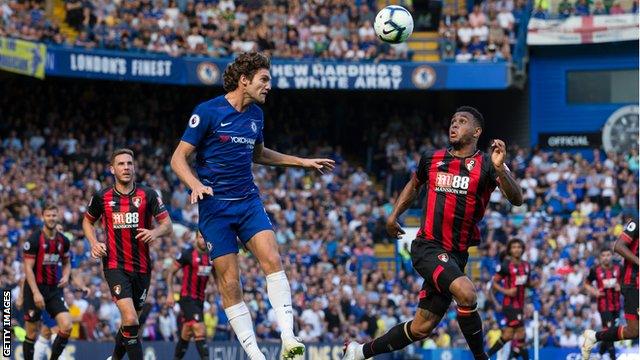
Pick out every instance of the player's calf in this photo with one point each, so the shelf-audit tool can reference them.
(464, 293)
(63, 320)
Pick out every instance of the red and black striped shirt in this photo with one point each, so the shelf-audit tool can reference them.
(514, 276)
(48, 255)
(458, 191)
(196, 271)
(606, 280)
(122, 215)
(630, 238)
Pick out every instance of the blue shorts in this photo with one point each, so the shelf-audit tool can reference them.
(221, 222)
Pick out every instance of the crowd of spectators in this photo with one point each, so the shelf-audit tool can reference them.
(55, 140)
(566, 8)
(296, 29)
(487, 33)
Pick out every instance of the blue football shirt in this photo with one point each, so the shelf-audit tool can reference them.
(224, 139)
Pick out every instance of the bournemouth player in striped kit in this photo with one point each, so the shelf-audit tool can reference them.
(127, 211)
(44, 251)
(606, 276)
(196, 271)
(512, 277)
(459, 181)
(627, 247)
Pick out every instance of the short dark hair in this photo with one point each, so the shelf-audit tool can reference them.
(473, 111)
(49, 206)
(246, 64)
(120, 152)
(605, 248)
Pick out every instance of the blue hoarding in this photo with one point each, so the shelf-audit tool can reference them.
(287, 74)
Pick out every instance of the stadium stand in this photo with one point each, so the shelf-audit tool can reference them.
(53, 146)
(294, 29)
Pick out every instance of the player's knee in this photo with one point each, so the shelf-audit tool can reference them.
(65, 326)
(631, 330)
(32, 332)
(271, 263)
(230, 287)
(130, 319)
(464, 292)
(467, 297)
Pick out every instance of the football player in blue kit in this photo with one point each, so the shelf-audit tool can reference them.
(226, 135)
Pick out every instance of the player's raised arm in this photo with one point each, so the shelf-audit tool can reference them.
(266, 156)
(180, 165)
(506, 181)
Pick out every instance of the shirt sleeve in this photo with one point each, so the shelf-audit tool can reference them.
(197, 127)
(592, 276)
(183, 258)
(156, 206)
(630, 232)
(95, 208)
(502, 270)
(30, 246)
(422, 172)
(66, 247)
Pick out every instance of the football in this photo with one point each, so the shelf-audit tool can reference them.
(393, 24)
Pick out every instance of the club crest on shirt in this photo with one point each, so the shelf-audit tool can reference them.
(26, 246)
(469, 163)
(443, 257)
(136, 201)
(631, 226)
(117, 289)
(254, 127)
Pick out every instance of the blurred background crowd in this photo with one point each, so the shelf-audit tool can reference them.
(54, 147)
(337, 29)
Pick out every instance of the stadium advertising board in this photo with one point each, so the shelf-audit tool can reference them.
(287, 74)
(583, 30)
(570, 140)
(22, 57)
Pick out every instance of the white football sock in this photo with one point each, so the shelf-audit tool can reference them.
(242, 325)
(40, 348)
(279, 293)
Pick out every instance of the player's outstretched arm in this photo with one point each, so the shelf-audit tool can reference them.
(507, 182)
(180, 166)
(266, 156)
(405, 199)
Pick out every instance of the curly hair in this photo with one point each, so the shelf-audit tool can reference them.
(246, 64)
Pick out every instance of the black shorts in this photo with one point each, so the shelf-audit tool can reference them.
(513, 316)
(609, 318)
(630, 294)
(53, 301)
(128, 285)
(192, 310)
(439, 269)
